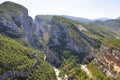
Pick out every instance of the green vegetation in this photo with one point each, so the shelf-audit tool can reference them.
(86, 37)
(112, 43)
(43, 72)
(44, 17)
(98, 75)
(69, 61)
(111, 24)
(10, 8)
(71, 27)
(23, 41)
(59, 24)
(97, 32)
(94, 31)
(64, 20)
(14, 56)
(71, 67)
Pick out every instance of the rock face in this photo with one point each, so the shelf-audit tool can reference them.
(55, 35)
(16, 23)
(66, 36)
(42, 28)
(112, 56)
(12, 18)
(109, 61)
(45, 32)
(52, 33)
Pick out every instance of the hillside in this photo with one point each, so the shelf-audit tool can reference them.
(53, 47)
(73, 42)
(20, 62)
(102, 19)
(113, 24)
(17, 59)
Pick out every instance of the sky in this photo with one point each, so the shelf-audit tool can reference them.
(90, 9)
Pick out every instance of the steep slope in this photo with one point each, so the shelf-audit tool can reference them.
(43, 25)
(16, 23)
(97, 32)
(18, 59)
(64, 34)
(9, 20)
(20, 62)
(108, 58)
(113, 24)
(72, 42)
(67, 44)
(78, 37)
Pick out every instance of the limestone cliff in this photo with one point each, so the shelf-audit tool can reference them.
(16, 23)
(108, 61)
(67, 35)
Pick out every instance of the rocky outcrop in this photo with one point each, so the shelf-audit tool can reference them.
(42, 28)
(44, 31)
(108, 61)
(61, 38)
(23, 72)
(52, 58)
(16, 23)
(12, 18)
(112, 56)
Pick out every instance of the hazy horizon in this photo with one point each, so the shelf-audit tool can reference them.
(90, 9)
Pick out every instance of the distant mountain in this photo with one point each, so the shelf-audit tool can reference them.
(84, 20)
(118, 18)
(102, 19)
(113, 24)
